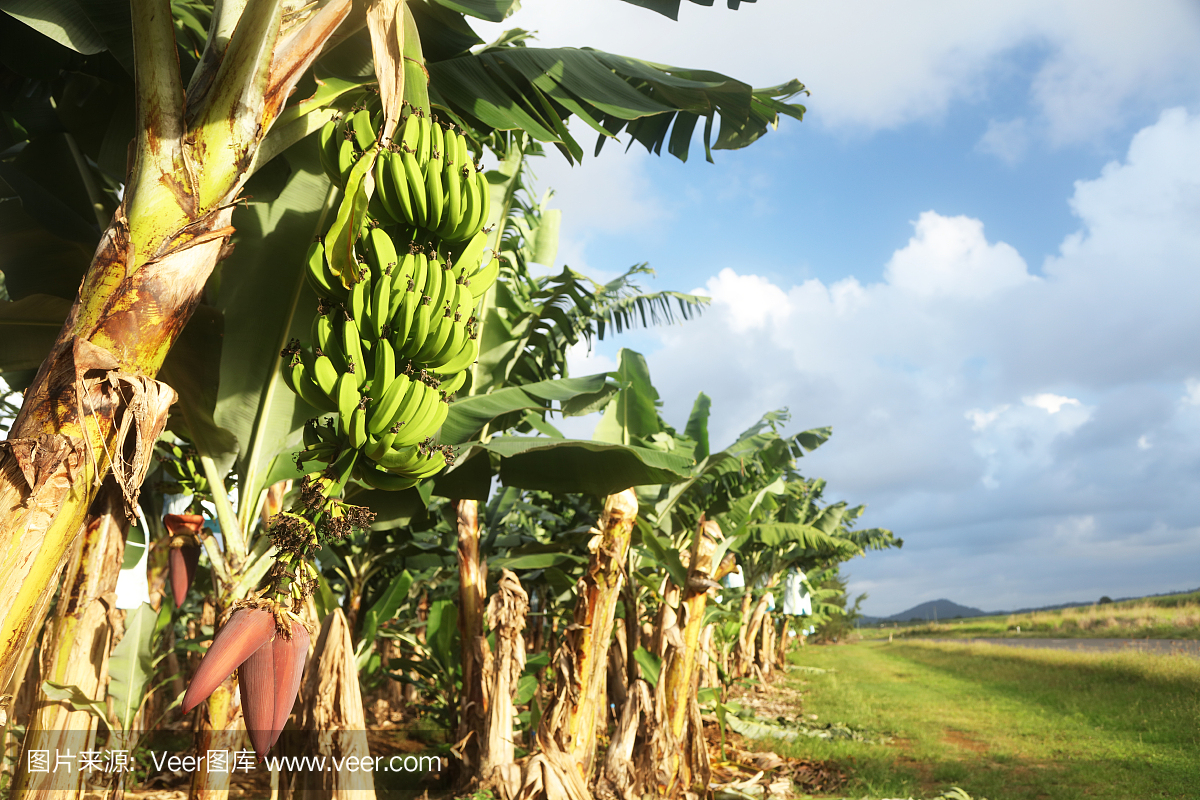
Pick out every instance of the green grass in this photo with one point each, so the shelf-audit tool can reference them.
(1168, 617)
(1006, 724)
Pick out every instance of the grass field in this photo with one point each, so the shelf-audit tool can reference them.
(1004, 723)
(1168, 617)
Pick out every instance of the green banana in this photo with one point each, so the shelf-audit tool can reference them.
(348, 399)
(463, 359)
(322, 281)
(322, 329)
(424, 140)
(420, 329)
(355, 363)
(385, 190)
(452, 185)
(385, 481)
(453, 384)
(483, 279)
(358, 427)
(435, 194)
(470, 257)
(298, 377)
(398, 187)
(377, 446)
(417, 427)
(454, 343)
(325, 376)
(384, 372)
(363, 129)
(360, 294)
(416, 187)
(384, 412)
(473, 205)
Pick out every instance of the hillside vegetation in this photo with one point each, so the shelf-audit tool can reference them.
(1175, 616)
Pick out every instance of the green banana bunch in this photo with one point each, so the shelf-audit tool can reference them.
(389, 349)
(427, 179)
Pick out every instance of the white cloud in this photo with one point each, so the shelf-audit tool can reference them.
(971, 400)
(950, 258)
(1192, 394)
(1008, 141)
(1052, 403)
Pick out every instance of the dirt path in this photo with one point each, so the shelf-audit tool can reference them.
(1189, 647)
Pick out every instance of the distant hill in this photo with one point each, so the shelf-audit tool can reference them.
(932, 610)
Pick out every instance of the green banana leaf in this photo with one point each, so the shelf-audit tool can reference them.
(85, 26)
(574, 465)
(778, 534)
(192, 369)
(380, 612)
(633, 413)
(534, 89)
(132, 665)
(253, 403)
(697, 425)
(670, 8)
(490, 10)
(469, 415)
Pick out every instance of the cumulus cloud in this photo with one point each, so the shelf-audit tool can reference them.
(972, 400)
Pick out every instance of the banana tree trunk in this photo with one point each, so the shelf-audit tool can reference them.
(506, 617)
(567, 731)
(94, 405)
(75, 653)
(766, 645)
(570, 723)
(681, 755)
(472, 590)
(781, 647)
(747, 642)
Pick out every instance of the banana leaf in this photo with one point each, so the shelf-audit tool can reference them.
(575, 465)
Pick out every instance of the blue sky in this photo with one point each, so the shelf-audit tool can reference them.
(977, 258)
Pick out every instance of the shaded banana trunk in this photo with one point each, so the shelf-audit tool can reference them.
(75, 653)
(331, 721)
(618, 673)
(93, 407)
(678, 749)
(708, 657)
(746, 612)
(765, 654)
(472, 590)
(781, 647)
(618, 779)
(506, 618)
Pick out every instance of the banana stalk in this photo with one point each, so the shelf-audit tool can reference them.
(92, 407)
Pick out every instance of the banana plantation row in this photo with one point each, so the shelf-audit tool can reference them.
(303, 345)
